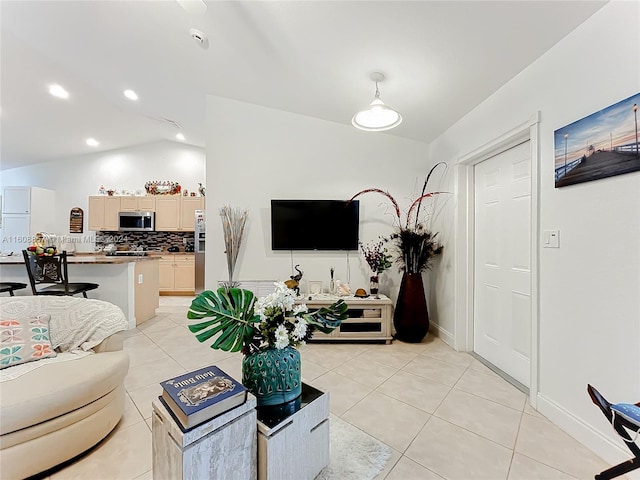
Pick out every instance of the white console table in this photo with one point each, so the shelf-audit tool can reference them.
(369, 318)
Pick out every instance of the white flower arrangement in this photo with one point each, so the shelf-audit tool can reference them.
(240, 322)
(282, 323)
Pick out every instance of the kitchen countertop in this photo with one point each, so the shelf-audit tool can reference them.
(90, 258)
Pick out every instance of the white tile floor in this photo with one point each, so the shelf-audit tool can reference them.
(444, 414)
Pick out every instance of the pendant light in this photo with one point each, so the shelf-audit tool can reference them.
(378, 116)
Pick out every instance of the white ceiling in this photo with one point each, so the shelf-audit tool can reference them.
(314, 58)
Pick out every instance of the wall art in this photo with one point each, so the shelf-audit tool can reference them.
(601, 145)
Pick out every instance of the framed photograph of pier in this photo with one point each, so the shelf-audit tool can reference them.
(602, 145)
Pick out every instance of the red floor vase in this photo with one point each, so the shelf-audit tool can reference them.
(411, 318)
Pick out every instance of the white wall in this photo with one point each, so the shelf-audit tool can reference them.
(255, 154)
(589, 325)
(76, 178)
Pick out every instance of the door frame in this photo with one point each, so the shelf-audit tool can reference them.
(465, 238)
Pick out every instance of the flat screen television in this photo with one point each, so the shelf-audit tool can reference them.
(314, 224)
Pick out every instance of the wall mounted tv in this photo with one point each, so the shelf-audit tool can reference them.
(314, 224)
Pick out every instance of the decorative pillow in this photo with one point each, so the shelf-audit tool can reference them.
(628, 411)
(25, 340)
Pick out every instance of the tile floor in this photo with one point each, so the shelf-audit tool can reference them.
(443, 413)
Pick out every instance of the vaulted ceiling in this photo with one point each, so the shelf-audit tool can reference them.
(441, 59)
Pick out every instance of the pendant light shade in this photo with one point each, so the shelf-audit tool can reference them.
(378, 116)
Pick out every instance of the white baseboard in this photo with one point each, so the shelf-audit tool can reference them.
(608, 448)
(445, 336)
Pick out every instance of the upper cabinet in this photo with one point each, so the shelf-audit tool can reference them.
(176, 213)
(188, 208)
(138, 204)
(103, 213)
(168, 213)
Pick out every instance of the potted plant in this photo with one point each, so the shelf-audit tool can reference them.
(267, 331)
(378, 258)
(415, 246)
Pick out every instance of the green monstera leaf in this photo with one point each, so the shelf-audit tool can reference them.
(230, 317)
(327, 319)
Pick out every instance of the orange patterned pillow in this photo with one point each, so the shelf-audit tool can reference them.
(25, 340)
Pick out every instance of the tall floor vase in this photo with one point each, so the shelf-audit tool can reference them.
(411, 318)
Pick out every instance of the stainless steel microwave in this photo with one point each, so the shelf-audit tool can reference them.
(136, 221)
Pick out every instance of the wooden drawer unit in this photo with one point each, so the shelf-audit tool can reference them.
(369, 318)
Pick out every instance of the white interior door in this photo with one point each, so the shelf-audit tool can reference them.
(502, 261)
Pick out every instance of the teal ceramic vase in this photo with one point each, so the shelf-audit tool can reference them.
(273, 375)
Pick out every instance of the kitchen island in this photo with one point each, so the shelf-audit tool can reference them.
(128, 282)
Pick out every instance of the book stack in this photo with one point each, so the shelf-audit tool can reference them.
(198, 396)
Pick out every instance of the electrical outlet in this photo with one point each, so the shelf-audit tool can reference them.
(140, 279)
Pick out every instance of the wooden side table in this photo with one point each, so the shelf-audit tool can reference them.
(223, 448)
(297, 447)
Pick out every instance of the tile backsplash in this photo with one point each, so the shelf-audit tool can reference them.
(150, 240)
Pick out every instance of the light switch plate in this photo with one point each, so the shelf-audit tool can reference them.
(551, 239)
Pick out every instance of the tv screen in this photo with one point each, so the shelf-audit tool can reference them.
(314, 224)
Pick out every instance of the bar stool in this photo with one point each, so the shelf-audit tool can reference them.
(11, 287)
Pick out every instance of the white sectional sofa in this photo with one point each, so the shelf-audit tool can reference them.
(53, 409)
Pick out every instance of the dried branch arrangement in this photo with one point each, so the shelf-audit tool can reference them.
(233, 223)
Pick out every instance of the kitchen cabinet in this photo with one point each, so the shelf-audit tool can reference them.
(177, 274)
(173, 212)
(26, 211)
(138, 204)
(168, 213)
(176, 213)
(188, 208)
(103, 213)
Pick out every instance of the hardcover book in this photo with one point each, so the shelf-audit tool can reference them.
(198, 396)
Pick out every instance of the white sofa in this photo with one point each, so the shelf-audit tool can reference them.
(51, 410)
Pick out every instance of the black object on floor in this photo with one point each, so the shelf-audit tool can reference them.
(620, 425)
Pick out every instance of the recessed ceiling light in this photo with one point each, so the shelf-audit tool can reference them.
(58, 91)
(131, 95)
(199, 37)
(92, 142)
(180, 136)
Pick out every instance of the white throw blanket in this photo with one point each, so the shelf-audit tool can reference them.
(16, 371)
(76, 323)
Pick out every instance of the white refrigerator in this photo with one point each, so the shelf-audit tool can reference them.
(25, 212)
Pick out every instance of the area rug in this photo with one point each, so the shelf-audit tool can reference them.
(355, 455)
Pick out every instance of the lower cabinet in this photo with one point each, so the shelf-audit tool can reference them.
(177, 274)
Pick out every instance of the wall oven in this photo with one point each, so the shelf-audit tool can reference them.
(136, 221)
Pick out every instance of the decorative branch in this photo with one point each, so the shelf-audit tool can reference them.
(233, 222)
